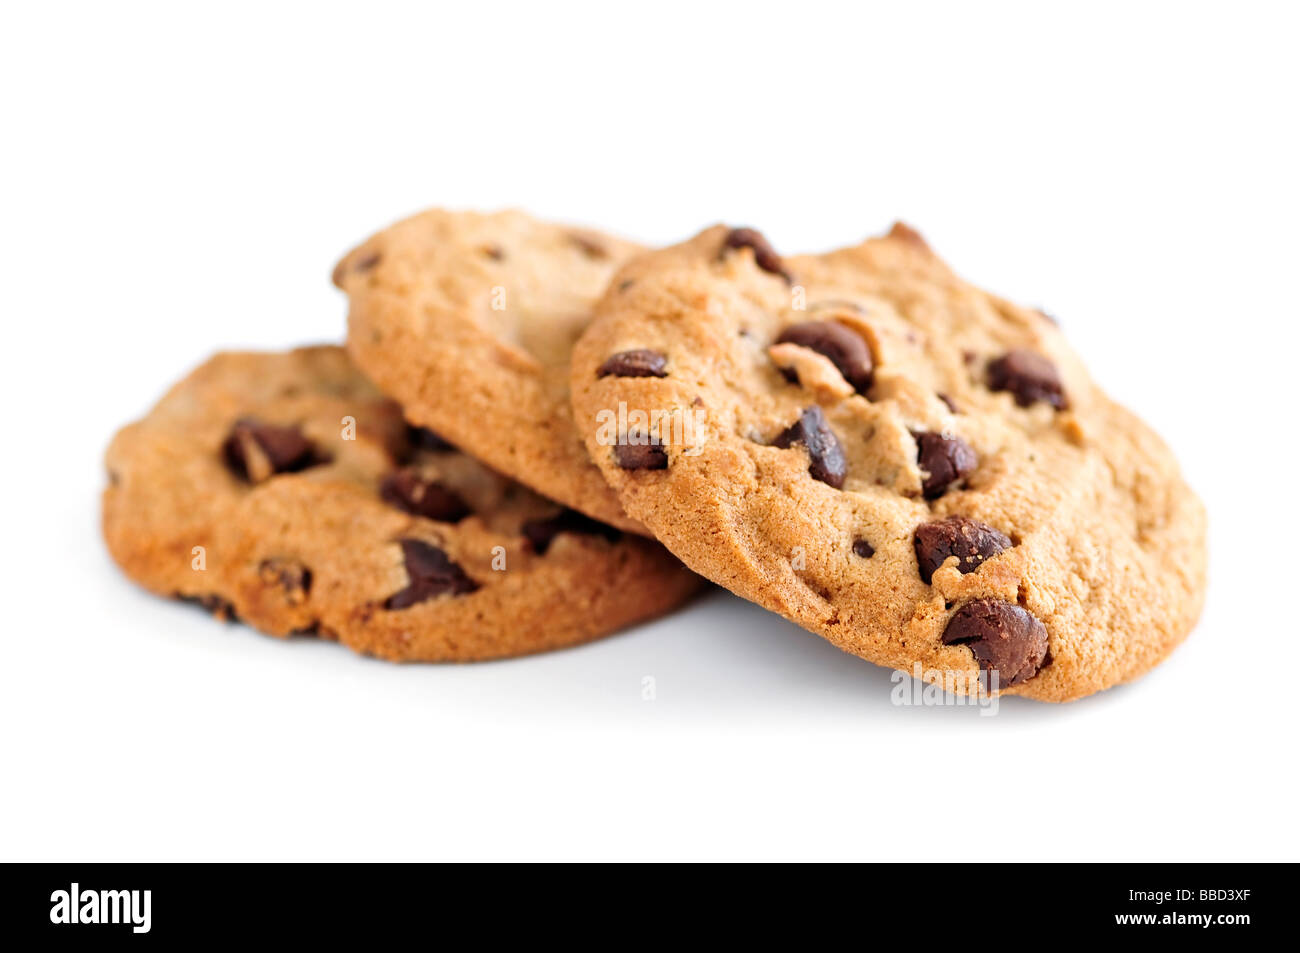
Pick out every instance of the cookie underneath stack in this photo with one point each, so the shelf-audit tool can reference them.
(285, 491)
(918, 471)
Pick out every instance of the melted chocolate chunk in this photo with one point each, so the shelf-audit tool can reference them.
(825, 456)
(431, 574)
(641, 362)
(764, 255)
(841, 346)
(408, 491)
(641, 456)
(944, 460)
(1004, 638)
(540, 533)
(969, 540)
(1029, 377)
(255, 451)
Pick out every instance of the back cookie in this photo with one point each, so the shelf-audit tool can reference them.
(468, 320)
(286, 491)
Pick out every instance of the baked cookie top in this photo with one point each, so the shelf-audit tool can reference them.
(285, 490)
(468, 320)
(919, 471)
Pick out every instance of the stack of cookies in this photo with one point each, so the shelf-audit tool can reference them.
(533, 427)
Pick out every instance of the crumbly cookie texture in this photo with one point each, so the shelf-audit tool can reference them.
(285, 491)
(916, 470)
(468, 320)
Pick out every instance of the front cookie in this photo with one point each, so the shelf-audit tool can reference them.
(468, 320)
(284, 490)
(918, 471)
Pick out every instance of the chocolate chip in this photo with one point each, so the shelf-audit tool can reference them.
(591, 246)
(219, 607)
(864, 549)
(422, 438)
(431, 574)
(495, 252)
(639, 362)
(256, 451)
(625, 284)
(764, 255)
(944, 460)
(408, 491)
(1029, 376)
(826, 458)
(948, 402)
(969, 540)
(842, 347)
(541, 533)
(641, 456)
(290, 575)
(1004, 637)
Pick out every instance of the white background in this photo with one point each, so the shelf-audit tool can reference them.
(177, 181)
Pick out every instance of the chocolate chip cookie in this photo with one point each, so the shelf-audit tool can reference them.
(284, 490)
(919, 471)
(468, 320)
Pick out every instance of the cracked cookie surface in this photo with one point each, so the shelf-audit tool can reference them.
(468, 319)
(284, 490)
(919, 471)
